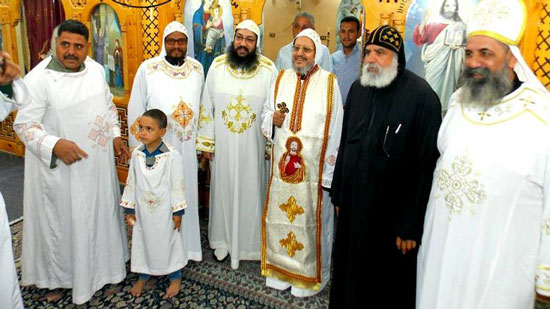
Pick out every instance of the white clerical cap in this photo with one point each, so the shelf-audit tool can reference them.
(310, 33)
(248, 24)
(504, 21)
(172, 27)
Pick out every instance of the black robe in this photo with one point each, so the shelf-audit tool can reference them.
(381, 184)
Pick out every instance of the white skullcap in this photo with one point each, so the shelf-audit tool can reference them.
(311, 34)
(504, 21)
(248, 24)
(172, 27)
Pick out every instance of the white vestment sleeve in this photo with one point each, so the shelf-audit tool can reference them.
(137, 104)
(113, 113)
(28, 123)
(205, 138)
(128, 199)
(21, 97)
(543, 259)
(335, 131)
(6, 105)
(267, 112)
(279, 61)
(177, 190)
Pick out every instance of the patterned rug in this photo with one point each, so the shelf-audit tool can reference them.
(206, 284)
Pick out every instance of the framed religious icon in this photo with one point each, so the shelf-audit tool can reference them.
(106, 37)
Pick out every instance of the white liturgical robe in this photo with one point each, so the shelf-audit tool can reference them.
(177, 92)
(230, 123)
(74, 235)
(487, 227)
(155, 193)
(10, 294)
(298, 222)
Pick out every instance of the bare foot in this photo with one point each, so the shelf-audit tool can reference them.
(173, 289)
(53, 296)
(112, 289)
(138, 287)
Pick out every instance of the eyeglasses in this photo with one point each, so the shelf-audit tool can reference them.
(248, 39)
(182, 41)
(306, 50)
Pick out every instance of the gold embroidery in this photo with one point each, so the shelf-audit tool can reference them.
(249, 73)
(459, 186)
(134, 129)
(205, 144)
(181, 72)
(182, 114)
(291, 208)
(238, 116)
(291, 244)
(204, 118)
(508, 108)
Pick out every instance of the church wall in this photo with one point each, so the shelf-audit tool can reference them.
(279, 15)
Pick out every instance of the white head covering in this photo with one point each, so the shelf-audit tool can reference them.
(52, 41)
(310, 33)
(172, 27)
(248, 24)
(504, 21)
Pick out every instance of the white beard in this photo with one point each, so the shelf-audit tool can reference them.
(380, 79)
(305, 69)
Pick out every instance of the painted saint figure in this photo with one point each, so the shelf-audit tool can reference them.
(201, 24)
(117, 55)
(215, 32)
(443, 52)
(99, 41)
(291, 165)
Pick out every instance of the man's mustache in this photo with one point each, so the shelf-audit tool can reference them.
(483, 72)
(244, 48)
(70, 57)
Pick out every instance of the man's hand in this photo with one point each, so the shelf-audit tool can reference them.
(8, 69)
(121, 151)
(68, 152)
(337, 209)
(278, 118)
(405, 245)
(130, 219)
(177, 222)
(208, 155)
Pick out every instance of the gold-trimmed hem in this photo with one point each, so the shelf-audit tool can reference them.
(537, 286)
(295, 280)
(205, 144)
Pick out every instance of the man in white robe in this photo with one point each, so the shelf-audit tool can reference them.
(172, 82)
(486, 241)
(302, 21)
(10, 294)
(230, 136)
(298, 219)
(73, 234)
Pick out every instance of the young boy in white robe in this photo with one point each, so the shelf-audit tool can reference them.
(154, 201)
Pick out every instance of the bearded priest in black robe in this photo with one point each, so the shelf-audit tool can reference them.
(382, 178)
